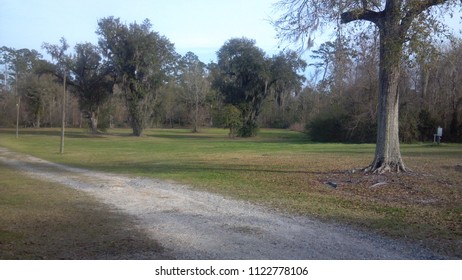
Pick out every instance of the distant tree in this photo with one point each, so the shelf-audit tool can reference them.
(243, 79)
(34, 96)
(142, 59)
(394, 19)
(334, 60)
(193, 80)
(286, 81)
(19, 62)
(24, 68)
(447, 89)
(92, 81)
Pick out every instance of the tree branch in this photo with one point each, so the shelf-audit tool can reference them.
(415, 8)
(361, 14)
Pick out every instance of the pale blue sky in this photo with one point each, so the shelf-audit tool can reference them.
(201, 26)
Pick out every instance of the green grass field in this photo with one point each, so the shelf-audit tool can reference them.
(282, 170)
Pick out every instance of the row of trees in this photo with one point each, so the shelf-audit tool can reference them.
(134, 77)
(340, 103)
(244, 90)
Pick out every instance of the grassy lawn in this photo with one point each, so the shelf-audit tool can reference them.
(46, 221)
(281, 169)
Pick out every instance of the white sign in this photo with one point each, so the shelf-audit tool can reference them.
(439, 132)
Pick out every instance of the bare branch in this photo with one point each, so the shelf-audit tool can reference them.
(415, 8)
(361, 14)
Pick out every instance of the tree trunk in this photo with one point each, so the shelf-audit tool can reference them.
(37, 120)
(136, 123)
(135, 105)
(387, 153)
(94, 122)
(196, 114)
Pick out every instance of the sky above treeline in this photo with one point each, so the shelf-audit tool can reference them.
(200, 26)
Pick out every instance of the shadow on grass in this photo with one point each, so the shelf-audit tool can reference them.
(43, 220)
(151, 169)
(52, 132)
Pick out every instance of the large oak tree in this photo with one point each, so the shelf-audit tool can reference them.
(244, 77)
(142, 59)
(93, 80)
(394, 19)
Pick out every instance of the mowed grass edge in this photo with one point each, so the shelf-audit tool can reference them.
(282, 170)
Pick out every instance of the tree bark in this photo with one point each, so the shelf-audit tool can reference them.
(63, 116)
(37, 121)
(135, 105)
(136, 120)
(94, 122)
(387, 154)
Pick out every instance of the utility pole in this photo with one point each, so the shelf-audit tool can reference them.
(17, 104)
(63, 112)
(57, 53)
(17, 116)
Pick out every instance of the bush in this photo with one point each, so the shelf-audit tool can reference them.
(329, 127)
(248, 129)
(232, 120)
(426, 125)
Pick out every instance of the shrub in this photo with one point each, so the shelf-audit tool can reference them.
(232, 120)
(328, 127)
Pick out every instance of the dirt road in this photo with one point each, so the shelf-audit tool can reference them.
(193, 224)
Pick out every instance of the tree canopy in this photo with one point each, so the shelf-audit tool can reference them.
(247, 76)
(92, 81)
(142, 60)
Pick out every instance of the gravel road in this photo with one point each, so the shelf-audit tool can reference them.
(193, 224)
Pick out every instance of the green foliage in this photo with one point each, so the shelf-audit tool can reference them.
(24, 70)
(284, 75)
(246, 77)
(92, 82)
(408, 129)
(248, 129)
(426, 125)
(243, 80)
(58, 53)
(142, 59)
(328, 127)
(232, 120)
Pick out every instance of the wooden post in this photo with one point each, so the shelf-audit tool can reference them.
(63, 111)
(17, 116)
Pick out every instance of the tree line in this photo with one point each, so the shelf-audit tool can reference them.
(134, 78)
(341, 105)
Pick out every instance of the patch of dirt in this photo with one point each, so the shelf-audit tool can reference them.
(192, 224)
(402, 188)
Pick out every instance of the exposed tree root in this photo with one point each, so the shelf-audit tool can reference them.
(379, 167)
